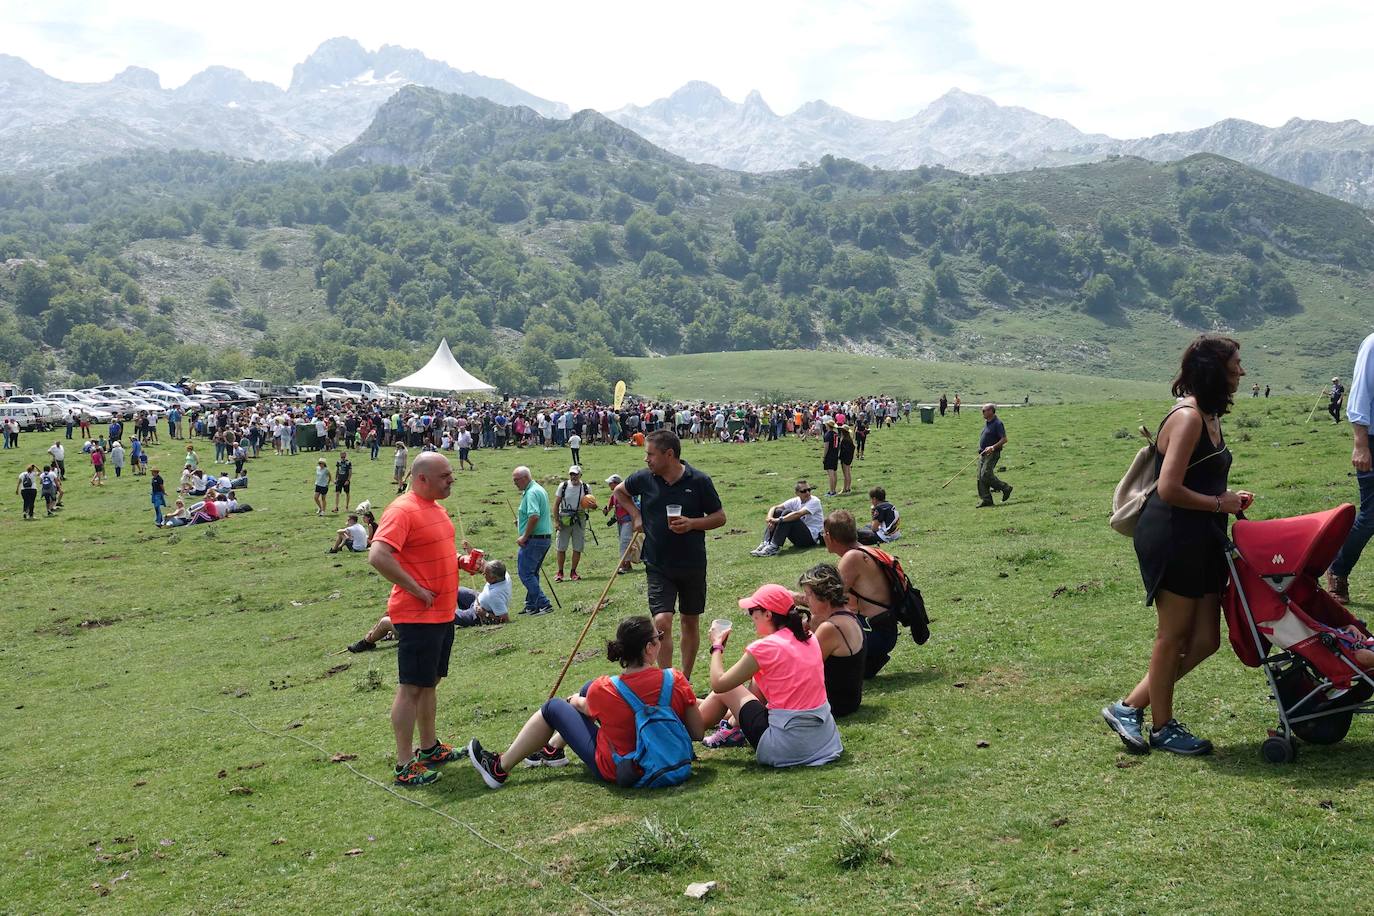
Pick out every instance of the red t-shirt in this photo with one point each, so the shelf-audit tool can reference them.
(421, 534)
(608, 707)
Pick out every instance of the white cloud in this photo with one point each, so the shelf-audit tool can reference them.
(1124, 69)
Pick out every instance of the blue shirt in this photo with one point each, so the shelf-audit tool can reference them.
(993, 431)
(1360, 405)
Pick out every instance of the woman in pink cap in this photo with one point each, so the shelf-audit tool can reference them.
(796, 727)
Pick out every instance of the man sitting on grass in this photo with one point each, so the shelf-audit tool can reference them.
(353, 537)
(886, 520)
(798, 519)
(490, 606)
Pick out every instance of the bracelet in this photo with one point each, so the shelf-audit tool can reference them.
(1218, 502)
(717, 647)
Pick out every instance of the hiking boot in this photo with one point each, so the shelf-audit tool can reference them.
(440, 753)
(1006, 494)
(414, 774)
(487, 765)
(726, 737)
(985, 504)
(1127, 722)
(547, 756)
(1175, 738)
(1338, 587)
(362, 645)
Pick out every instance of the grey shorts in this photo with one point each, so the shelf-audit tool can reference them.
(576, 532)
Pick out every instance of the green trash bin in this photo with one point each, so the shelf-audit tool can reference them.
(306, 440)
(927, 414)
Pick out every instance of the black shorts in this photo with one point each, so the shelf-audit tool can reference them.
(830, 462)
(422, 651)
(342, 486)
(880, 638)
(684, 587)
(753, 721)
(319, 491)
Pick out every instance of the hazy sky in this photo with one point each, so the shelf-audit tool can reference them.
(1122, 69)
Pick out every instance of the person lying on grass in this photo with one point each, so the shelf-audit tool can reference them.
(796, 728)
(597, 722)
(487, 607)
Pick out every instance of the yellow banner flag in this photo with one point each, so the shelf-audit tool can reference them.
(619, 393)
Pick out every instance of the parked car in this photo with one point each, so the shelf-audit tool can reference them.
(28, 416)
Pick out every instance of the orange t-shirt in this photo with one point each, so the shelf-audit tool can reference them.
(637, 438)
(617, 720)
(420, 532)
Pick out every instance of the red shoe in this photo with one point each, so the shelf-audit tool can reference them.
(575, 577)
(558, 577)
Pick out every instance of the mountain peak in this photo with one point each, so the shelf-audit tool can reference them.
(137, 78)
(756, 106)
(221, 85)
(334, 61)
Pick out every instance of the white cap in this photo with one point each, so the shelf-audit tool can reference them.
(575, 469)
(613, 480)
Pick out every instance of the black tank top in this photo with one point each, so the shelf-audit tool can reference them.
(844, 675)
(1209, 466)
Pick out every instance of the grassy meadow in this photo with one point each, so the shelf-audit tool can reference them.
(977, 777)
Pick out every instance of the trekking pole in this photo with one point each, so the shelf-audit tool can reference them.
(1316, 404)
(961, 470)
(591, 617)
(516, 519)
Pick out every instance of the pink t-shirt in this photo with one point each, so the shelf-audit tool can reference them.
(791, 673)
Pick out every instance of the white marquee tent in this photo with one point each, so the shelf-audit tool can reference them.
(442, 373)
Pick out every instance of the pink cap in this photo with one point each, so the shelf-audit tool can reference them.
(770, 597)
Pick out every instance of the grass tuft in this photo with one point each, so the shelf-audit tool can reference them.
(657, 846)
(861, 846)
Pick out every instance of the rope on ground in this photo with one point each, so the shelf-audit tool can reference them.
(535, 866)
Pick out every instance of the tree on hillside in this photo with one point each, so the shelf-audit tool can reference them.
(220, 295)
(994, 284)
(1099, 295)
(270, 257)
(237, 237)
(587, 382)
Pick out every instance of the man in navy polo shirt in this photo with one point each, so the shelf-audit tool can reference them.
(990, 444)
(674, 548)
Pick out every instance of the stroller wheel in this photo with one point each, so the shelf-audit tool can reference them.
(1276, 749)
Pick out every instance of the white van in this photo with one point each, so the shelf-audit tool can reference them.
(29, 416)
(359, 388)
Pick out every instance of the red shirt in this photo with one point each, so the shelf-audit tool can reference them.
(608, 707)
(421, 534)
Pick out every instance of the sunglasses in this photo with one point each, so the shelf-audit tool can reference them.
(658, 636)
(804, 489)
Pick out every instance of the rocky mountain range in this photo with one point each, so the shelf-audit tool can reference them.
(47, 123)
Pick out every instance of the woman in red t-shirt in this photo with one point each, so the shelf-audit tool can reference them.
(596, 722)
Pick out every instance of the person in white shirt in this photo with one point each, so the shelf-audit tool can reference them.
(59, 457)
(1359, 410)
(799, 520)
(352, 537)
(492, 604)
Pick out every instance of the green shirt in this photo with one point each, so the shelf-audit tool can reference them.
(534, 502)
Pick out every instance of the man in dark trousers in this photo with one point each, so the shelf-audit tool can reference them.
(1360, 411)
(990, 444)
(674, 546)
(1337, 395)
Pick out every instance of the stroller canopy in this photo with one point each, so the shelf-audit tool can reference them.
(1297, 546)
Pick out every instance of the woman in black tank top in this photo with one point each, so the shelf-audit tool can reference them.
(839, 634)
(1178, 545)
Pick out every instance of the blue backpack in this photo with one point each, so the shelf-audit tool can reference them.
(663, 750)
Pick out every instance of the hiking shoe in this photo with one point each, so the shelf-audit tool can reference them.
(440, 753)
(985, 504)
(726, 737)
(414, 774)
(1127, 722)
(1175, 738)
(547, 756)
(768, 550)
(362, 645)
(487, 765)
(575, 577)
(1338, 587)
(1006, 494)
(542, 610)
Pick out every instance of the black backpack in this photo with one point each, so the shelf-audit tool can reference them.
(906, 605)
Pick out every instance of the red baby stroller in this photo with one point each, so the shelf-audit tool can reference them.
(1274, 599)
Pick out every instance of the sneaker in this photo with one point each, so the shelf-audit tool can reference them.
(575, 577)
(440, 753)
(768, 550)
(487, 765)
(1006, 494)
(726, 737)
(829, 492)
(1175, 738)
(362, 645)
(558, 577)
(1338, 587)
(1127, 722)
(542, 610)
(547, 757)
(414, 774)
(985, 504)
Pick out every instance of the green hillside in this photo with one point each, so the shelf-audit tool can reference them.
(525, 240)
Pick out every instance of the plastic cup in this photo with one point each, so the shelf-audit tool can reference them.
(721, 625)
(674, 511)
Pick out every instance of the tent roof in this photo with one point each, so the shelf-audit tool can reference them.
(442, 373)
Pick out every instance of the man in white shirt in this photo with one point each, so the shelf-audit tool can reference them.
(492, 604)
(352, 537)
(799, 520)
(59, 457)
(1359, 410)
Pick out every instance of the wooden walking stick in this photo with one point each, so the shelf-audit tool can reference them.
(599, 604)
(516, 518)
(1320, 394)
(962, 470)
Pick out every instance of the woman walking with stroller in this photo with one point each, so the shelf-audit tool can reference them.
(1178, 542)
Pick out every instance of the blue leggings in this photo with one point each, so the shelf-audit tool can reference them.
(578, 731)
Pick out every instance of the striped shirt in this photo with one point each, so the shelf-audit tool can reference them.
(421, 534)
